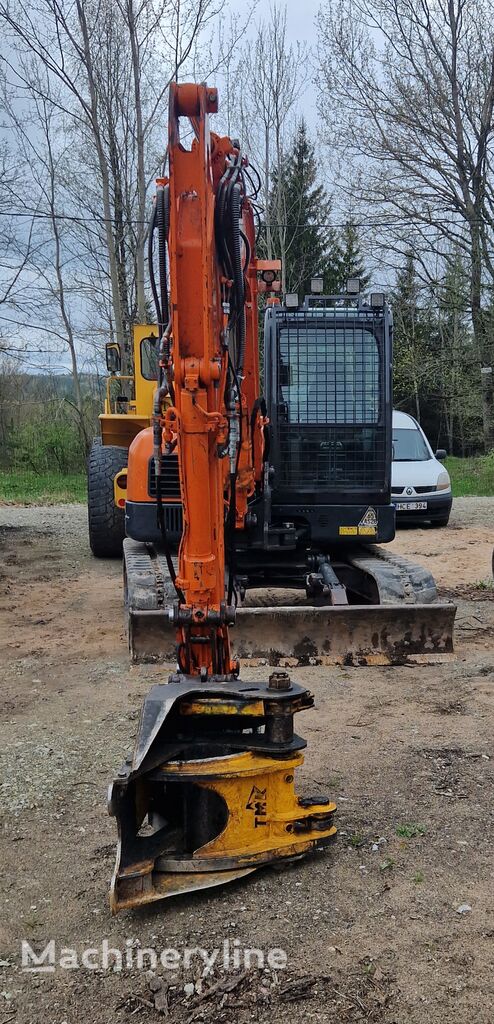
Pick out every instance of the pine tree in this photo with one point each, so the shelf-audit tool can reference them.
(461, 419)
(300, 212)
(350, 259)
(434, 358)
(409, 342)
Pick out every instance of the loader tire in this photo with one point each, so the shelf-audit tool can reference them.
(106, 520)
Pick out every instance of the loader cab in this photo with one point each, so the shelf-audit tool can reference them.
(327, 369)
(129, 397)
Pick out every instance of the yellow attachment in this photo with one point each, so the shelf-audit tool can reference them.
(263, 822)
(223, 707)
(120, 488)
(264, 814)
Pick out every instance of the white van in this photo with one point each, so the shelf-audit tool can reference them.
(420, 485)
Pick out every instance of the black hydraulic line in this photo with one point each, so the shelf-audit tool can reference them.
(247, 250)
(163, 219)
(232, 508)
(220, 224)
(223, 220)
(152, 279)
(162, 200)
(238, 277)
(248, 171)
(164, 535)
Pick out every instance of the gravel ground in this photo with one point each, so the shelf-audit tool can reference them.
(372, 928)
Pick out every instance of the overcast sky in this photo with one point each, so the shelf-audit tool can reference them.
(301, 16)
(300, 24)
(300, 19)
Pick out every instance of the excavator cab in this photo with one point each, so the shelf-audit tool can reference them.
(328, 394)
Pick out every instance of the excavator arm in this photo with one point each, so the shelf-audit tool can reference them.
(208, 794)
(204, 414)
(211, 365)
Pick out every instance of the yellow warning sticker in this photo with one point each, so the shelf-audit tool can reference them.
(367, 531)
(348, 531)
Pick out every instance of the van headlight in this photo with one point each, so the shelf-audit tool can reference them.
(443, 482)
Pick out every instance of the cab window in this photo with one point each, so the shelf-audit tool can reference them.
(330, 375)
(149, 357)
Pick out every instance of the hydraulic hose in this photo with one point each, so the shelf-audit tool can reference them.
(164, 535)
(152, 279)
(238, 275)
(162, 202)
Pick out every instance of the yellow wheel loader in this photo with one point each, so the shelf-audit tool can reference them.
(128, 410)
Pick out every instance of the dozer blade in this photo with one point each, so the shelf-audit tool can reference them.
(345, 635)
(152, 636)
(304, 635)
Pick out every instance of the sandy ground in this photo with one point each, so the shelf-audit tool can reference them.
(371, 927)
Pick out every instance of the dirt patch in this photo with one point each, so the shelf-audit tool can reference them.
(371, 928)
(459, 555)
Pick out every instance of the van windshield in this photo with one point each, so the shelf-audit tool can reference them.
(409, 446)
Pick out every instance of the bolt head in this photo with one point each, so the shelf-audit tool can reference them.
(279, 681)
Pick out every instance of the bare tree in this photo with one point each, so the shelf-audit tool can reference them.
(271, 73)
(411, 87)
(110, 67)
(16, 248)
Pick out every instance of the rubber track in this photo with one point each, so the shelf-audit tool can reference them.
(398, 580)
(147, 580)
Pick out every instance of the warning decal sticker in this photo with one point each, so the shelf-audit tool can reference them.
(368, 524)
(370, 518)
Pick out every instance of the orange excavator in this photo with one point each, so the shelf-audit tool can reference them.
(208, 794)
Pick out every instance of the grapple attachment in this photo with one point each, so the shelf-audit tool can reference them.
(208, 795)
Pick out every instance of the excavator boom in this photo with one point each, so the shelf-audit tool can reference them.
(208, 794)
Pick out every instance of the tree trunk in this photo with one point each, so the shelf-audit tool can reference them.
(61, 295)
(483, 347)
(141, 173)
(267, 214)
(105, 189)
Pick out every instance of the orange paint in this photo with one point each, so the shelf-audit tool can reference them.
(199, 362)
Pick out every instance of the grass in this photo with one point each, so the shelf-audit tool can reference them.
(410, 830)
(27, 488)
(387, 865)
(356, 840)
(474, 476)
(484, 585)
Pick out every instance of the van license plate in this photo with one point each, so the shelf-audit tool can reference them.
(410, 506)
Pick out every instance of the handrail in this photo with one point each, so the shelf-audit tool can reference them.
(112, 379)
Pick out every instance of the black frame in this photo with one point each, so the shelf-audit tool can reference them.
(379, 322)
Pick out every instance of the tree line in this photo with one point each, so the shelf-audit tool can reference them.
(392, 183)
